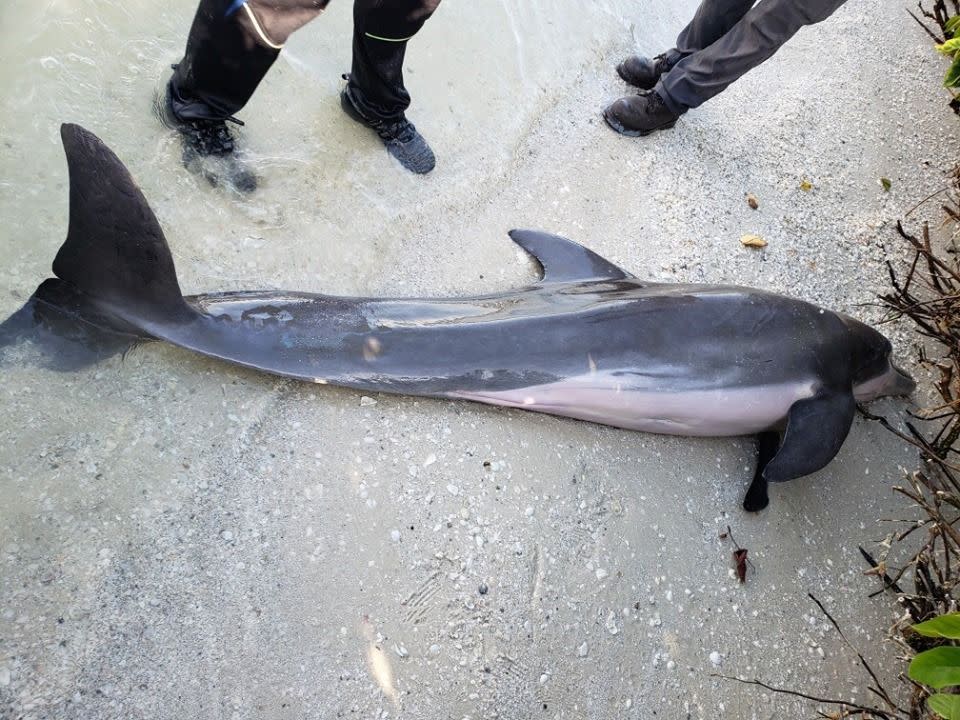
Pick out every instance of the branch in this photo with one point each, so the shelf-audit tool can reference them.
(812, 698)
(879, 689)
(937, 39)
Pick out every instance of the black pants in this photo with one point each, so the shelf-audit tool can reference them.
(232, 45)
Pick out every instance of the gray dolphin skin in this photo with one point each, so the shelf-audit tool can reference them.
(587, 341)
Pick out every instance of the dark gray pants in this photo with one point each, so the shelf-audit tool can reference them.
(726, 39)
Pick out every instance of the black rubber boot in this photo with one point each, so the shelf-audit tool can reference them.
(209, 148)
(223, 64)
(643, 72)
(638, 115)
(398, 134)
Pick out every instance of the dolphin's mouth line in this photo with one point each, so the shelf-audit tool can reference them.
(894, 381)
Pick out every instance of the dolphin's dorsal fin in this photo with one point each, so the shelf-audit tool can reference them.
(115, 250)
(563, 260)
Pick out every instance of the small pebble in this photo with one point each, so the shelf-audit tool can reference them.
(483, 589)
(395, 535)
(583, 650)
(716, 658)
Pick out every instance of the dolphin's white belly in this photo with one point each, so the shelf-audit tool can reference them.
(609, 400)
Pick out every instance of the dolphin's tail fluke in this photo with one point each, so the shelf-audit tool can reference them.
(59, 330)
(115, 253)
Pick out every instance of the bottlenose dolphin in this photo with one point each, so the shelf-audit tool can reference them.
(588, 340)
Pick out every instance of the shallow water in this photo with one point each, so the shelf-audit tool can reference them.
(180, 538)
(329, 195)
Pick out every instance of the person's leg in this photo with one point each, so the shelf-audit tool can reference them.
(754, 39)
(380, 34)
(231, 46)
(712, 19)
(698, 77)
(375, 93)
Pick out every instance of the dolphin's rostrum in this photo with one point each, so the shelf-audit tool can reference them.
(587, 341)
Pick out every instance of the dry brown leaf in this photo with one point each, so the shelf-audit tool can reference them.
(740, 563)
(752, 201)
(753, 241)
(880, 570)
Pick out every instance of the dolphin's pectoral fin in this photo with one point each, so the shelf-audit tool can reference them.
(564, 260)
(756, 498)
(816, 428)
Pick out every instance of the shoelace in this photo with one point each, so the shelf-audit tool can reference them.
(212, 136)
(401, 131)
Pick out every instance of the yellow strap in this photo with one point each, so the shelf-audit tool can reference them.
(377, 37)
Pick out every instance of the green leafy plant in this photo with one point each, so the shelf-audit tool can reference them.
(942, 23)
(939, 667)
(951, 48)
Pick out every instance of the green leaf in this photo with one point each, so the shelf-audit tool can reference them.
(946, 706)
(885, 184)
(944, 626)
(938, 668)
(952, 25)
(950, 46)
(953, 74)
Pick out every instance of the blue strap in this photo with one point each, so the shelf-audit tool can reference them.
(236, 5)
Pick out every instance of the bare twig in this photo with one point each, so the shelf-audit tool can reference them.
(874, 712)
(929, 32)
(878, 686)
